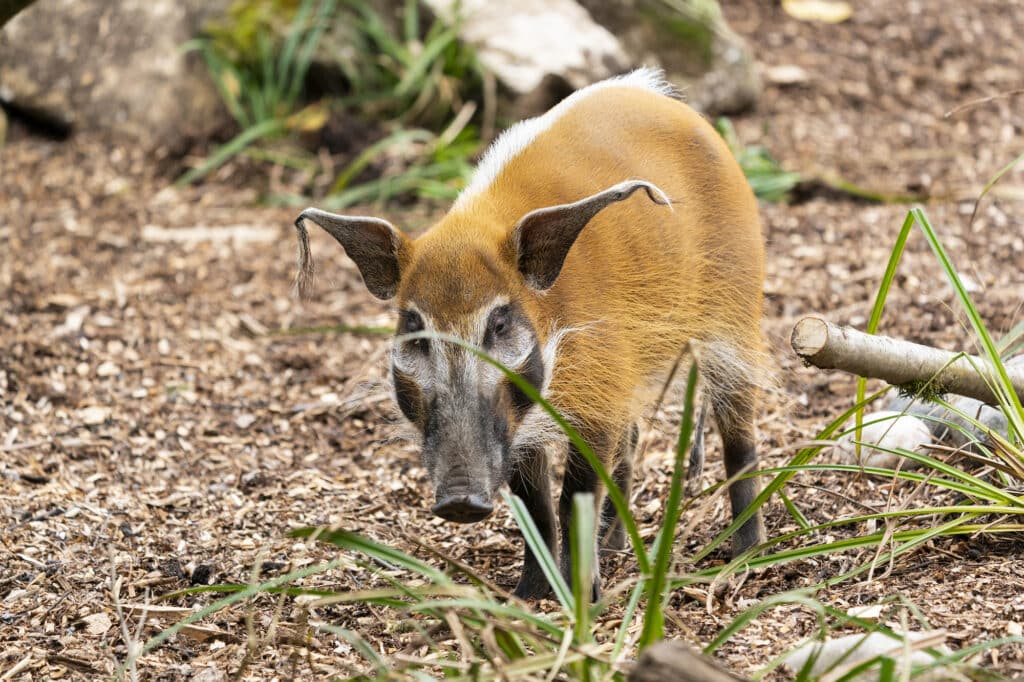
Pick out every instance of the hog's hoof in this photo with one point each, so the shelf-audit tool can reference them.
(615, 539)
(751, 534)
(532, 587)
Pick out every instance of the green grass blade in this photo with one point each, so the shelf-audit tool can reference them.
(414, 76)
(800, 597)
(627, 618)
(582, 536)
(220, 604)
(794, 512)
(493, 607)
(226, 151)
(878, 308)
(882, 472)
(992, 183)
(654, 619)
(910, 539)
(373, 26)
(776, 484)
(510, 644)
(357, 543)
(220, 69)
(1013, 341)
(297, 30)
(411, 20)
(359, 644)
(367, 156)
(996, 373)
(548, 563)
(310, 41)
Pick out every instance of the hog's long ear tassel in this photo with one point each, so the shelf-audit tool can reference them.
(375, 245)
(306, 272)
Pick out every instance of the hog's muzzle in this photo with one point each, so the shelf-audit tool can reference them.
(463, 508)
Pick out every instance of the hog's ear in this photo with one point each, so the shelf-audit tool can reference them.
(376, 246)
(543, 237)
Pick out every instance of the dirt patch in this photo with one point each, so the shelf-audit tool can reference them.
(155, 427)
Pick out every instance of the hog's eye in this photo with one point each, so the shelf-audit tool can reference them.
(499, 324)
(410, 322)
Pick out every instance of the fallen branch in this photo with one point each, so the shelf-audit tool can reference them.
(901, 363)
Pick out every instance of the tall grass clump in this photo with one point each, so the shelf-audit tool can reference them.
(985, 484)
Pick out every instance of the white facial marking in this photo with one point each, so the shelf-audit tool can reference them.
(537, 428)
(445, 364)
(421, 367)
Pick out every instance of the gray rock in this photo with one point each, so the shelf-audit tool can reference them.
(542, 50)
(968, 433)
(8, 8)
(692, 42)
(528, 43)
(113, 66)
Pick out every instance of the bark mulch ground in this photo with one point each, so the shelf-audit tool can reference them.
(164, 421)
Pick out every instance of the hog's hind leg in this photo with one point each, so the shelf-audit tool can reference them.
(735, 418)
(613, 532)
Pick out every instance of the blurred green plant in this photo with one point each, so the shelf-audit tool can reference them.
(418, 83)
(262, 89)
(766, 177)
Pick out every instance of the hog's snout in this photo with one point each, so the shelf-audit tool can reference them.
(463, 508)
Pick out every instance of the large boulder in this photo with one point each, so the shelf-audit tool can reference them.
(691, 40)
(113, 66)
(540, 50)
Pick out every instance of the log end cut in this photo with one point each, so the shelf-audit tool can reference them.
(810, 335)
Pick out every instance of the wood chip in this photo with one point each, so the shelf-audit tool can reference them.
(97, 623)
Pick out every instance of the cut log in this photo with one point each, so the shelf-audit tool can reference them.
(669, 661)
(901, 363)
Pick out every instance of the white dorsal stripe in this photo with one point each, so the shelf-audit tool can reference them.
(517, 138)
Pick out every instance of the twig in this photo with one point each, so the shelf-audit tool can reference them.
(23, 446)
(18, 667)
(131, 643)
(982, 100)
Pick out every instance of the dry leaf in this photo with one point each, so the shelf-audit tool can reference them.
(202, 633)
(93, 415)
(786, 74)
(871, 612)
(825, 11)
(97, 623)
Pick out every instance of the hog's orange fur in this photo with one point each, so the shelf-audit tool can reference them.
(640, 281)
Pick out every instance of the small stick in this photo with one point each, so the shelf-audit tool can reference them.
(900, 363)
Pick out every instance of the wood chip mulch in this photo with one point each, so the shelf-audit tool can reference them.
(157, 432)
